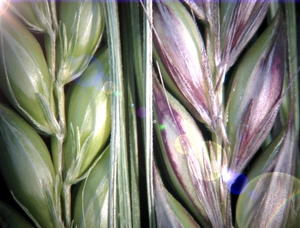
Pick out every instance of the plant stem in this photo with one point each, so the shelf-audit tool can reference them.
(57, 140)
(66, 199)
(50, 44)
(56, 149)
(58, 103)
(60, 96)
(120, 213)
(58, 152)
(54, 14)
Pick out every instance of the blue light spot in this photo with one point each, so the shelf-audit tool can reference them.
(94, 74)
(239, 185)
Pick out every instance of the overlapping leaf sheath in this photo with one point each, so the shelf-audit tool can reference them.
(9, 217)
(197, 8)
(91, 202)
(24, 75)
(26, 166)
(192, 170)
(169, 212)
(88, 116)
(256, 94)
(180, 51)
(82, 26)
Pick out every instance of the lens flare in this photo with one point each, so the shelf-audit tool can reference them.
(237, 183)
(109, 87)
(96, 74)
(142, 112)
(4, 4)
(265, 206)
(179, 142)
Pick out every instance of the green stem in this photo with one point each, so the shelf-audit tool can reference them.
(57, 150)
(54, 14)
(147, 100)
(120, 213)
(66, 199)
(58, 163)
(130, 42)
(50, 44)
(290, 13)
(60, 95)
(58, 139)
(58, 90)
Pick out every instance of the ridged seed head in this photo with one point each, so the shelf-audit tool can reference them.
(24, 76)
(192, 170)
(36, 14)
(82, 26)
(91, 202)
(267, 204)
(239, 21)
(180, 53)
(256, 93)
(26, 166)
(88, 115)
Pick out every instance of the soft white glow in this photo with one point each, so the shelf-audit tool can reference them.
(3, 6)
(228, 176)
